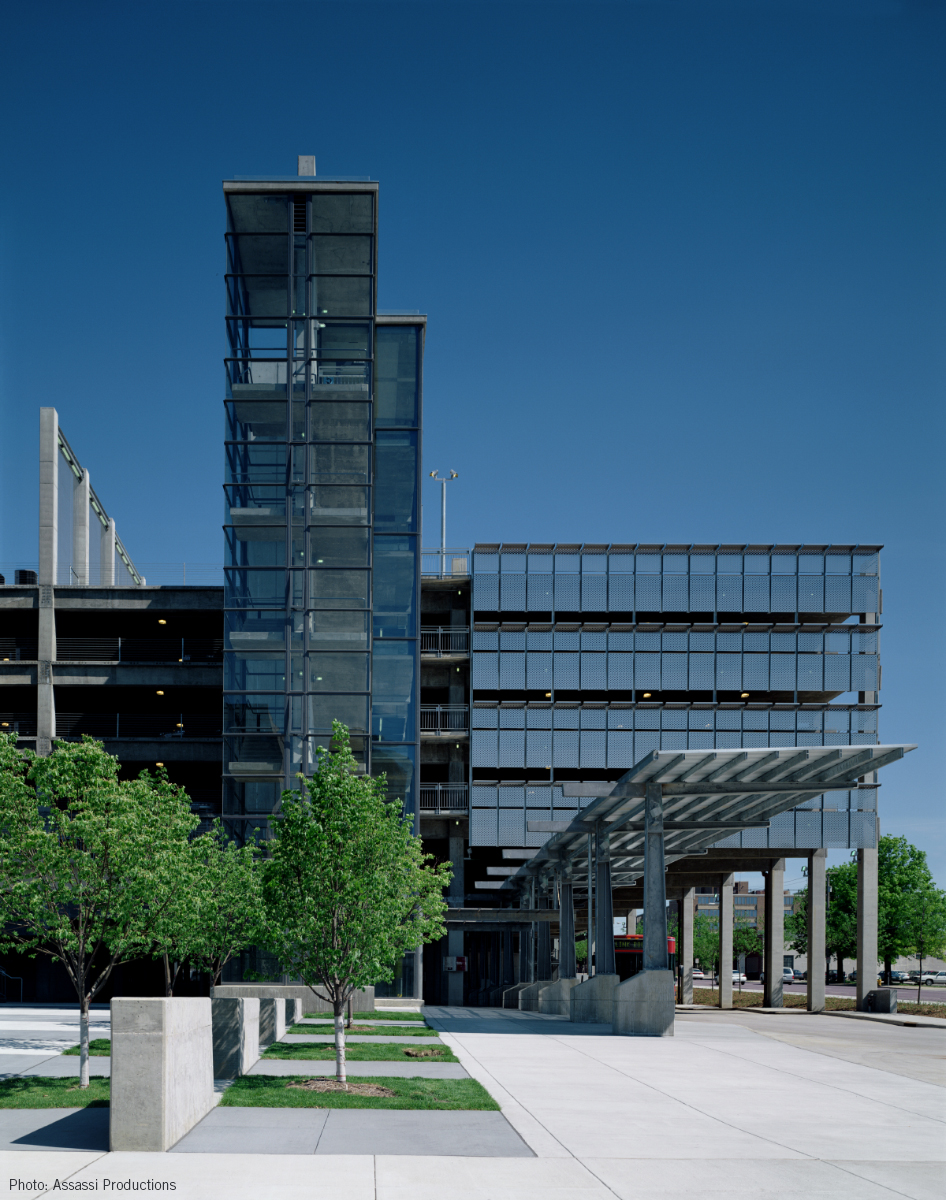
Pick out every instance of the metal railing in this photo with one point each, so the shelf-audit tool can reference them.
(18, 649)
(444, 798)
(140, 650)
(167, 726)
(22, 723)
(448, 640)
(444, 564)
(444, 718)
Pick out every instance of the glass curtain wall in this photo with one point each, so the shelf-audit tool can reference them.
(320, 496)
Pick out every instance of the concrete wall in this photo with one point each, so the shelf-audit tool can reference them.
(162, 1070)
(362, 1000)
(591, 1001)
(272, 1019)
(643, 1006)
(511, 995)
(529, 996)
(235, 1036)
(556, 998)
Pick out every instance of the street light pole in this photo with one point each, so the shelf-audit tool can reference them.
(443, 481)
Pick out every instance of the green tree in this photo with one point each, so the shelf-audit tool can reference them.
(89, 864)
(347, 889)
(218, 909)
(705, 941)
(902, 874)
(841, 916)
(926, 922)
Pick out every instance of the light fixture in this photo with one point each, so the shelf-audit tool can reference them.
(161, 621)
(5, 724)
(179, 725)
(454, 475)
(647, 695)
(548, 695)
(744, 695)
(159, 692)
(159, 764)
(433, 474)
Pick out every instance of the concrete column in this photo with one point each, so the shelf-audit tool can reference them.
(525, 955)
(80, 530)
(655, 885)
(544, 945)
(604, 910)
(725, 941)
(816, 929)
(591, 924)
(508, 979)
(774, 934)
(107, 555)
(632, 920)
(566, 931)
(455, 896)
(48, 495)
(685, 946)
(866, 924)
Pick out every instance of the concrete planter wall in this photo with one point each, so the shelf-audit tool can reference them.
(362, 1000)
(555, 999)
(162, 1070)
(272, 1019)
(590, 1002)
(643, 1006)
(235, 1036)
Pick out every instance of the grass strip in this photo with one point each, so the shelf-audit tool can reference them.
(41, 1091)
(710, 997)
(379, 1015)
(372, 1030)
(272, 1091)
(100, 1047)
(355, 1052)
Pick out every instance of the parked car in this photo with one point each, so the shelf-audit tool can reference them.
(738, 977)
(788, 975)
(899, 977)
(928, 978)
(800, 976)
(940, 978)
(698, 974)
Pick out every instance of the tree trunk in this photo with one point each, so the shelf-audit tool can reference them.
(888, 964)
(339, 1042)
(919, 982)
(840, 968)
(168, 989)
(84, 1042)
(350, 1013)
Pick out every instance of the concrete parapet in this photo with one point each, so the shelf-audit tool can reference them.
(362, 1000)
(554, 999)
(644, 1005)
(529, 996)
(590, 1002)
(511, 995)
(235, 1036)
(272, 1020)
(162, 1070)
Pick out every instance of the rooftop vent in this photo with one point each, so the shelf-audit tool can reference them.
(307, 164)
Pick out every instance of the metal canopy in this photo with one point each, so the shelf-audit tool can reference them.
(706, 794)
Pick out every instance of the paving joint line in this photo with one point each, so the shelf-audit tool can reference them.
(893, 1191)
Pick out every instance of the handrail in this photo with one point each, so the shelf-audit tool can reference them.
(444, 798)
(444, 718)
(444, 640)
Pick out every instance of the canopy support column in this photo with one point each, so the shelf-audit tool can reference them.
(725, 940)
(774, 935)
(604, 910)
(816, 929)
(685, 945)
(566, 928)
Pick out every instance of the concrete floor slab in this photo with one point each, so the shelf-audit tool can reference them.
(66, 1066)
(322, 1039)
(406, 1178)
(255, 1131)
(54, 1129)
(16, 1064)
(424, 1132)
(397, 1070)
(918, 1180)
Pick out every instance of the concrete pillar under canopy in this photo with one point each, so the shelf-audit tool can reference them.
(544, 947)
(655, 890)
(566, 928)
(866, 924)
(816, 929)
(774, 935)
(80, 530)
(685, 946)
(107, 554)
(604, 910)
(725, 940)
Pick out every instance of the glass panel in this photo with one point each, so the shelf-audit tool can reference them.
(256, 464)
(254, 589)
(338, 589)
(338, 672)
(341, 295)
(340, 340)
(397, 763)
(342, 255)
(254, 631)
(396, 377)
(246, 671)
(333, 422)
(252, 254)
(258, 214)
(729, 564)
(352, 213)
(255, 422)
(257, 296)
(255, 546)
(784, 564)
(247, 507)
(395, 493)
(350, 710)
(395, 587)
(338, 631)
(338, 547)
(256, 380)
(675, 564)
(338, 505)
(339, 464)
(810, 564)
(254, 714)
(392, 691)
(757, 564)
(256, 339)
(838, 564)
(648, 563)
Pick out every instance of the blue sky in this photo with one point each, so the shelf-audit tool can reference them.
(683, 266)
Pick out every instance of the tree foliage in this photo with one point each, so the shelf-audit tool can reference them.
(347, 888)
(89, 864)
